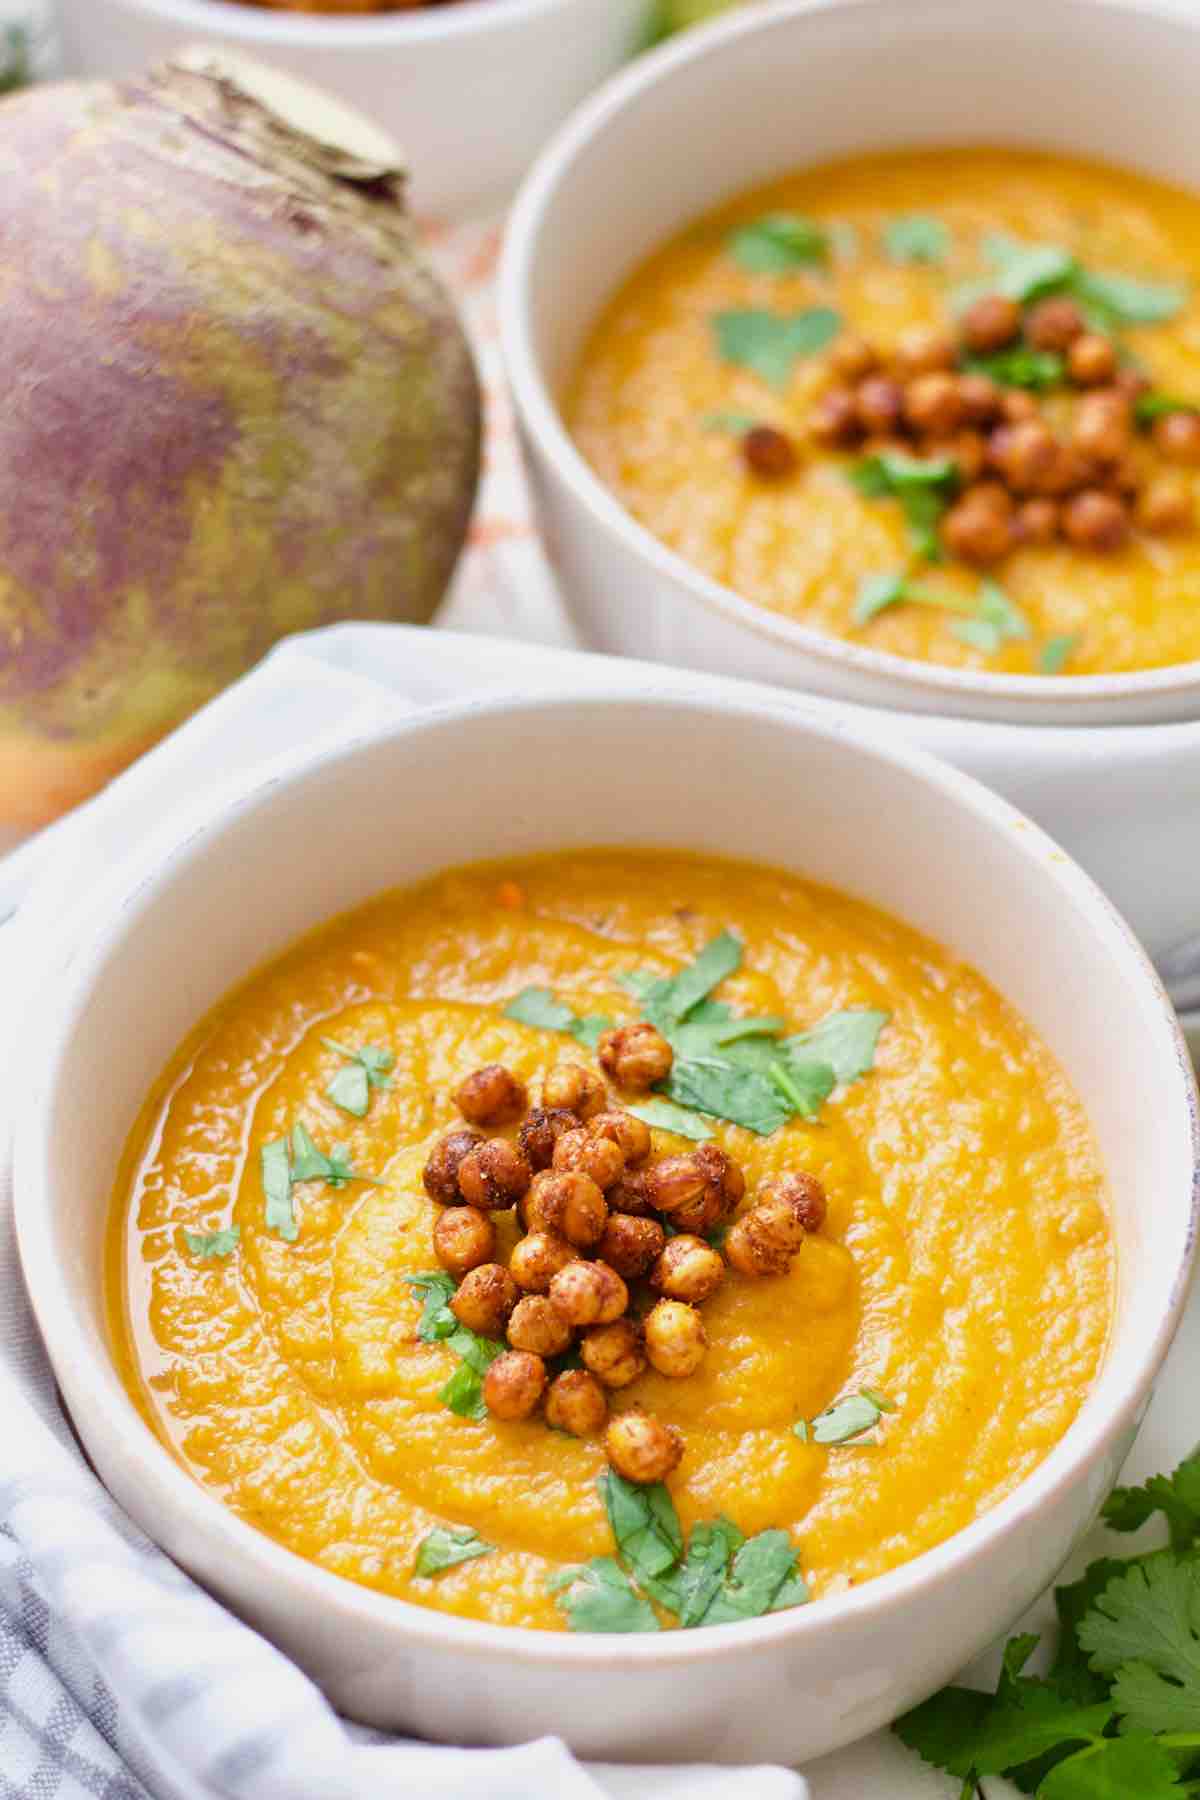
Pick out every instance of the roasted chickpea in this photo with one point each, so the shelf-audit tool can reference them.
(878, 402)
(688, 1269)
(576, 1403)
(494, 1175)
(440, 1173)
(1165, 504)
(538, 1326)
(1068, 471)
(598, 1157)
(613, 1353)
(1176, 436)
(975, 532)
(1102, 425)
(484, 1299)
(1054, 324)
(932, 405)
(631, 1135)
(925, 350)
(569, 1204)
(802, 1193)
(1094, 520)
(641, 1448)
(724, 1175)
(675, 1338)
(574, 1088)
(537, 1258)
(589, 1293)
(673, 1181)
(632, 1194)
(1029, 454)
(1017, 405)
(1091, 360)
(990, 323)
(768, 453)
(968, 449)
(851, 357)
(630, 1245)
(1121, 477)
(980, 398)
(542, 1130)
(834, 418)
(463, 1238)
(1132, 382)
(764, 1240)
(514, 1384)
(992, 494)
(636, 1056)
(1035, 522)
(492, 1096)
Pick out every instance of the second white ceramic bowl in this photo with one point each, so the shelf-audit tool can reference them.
(469, 91)
(765, 91)
(779, 782)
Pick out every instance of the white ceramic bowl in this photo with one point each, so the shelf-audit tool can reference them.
(469, 91)
(752, 96)
(888, 823)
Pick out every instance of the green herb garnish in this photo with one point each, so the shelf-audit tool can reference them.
(213, 1243)
(664, 1115)
(736, 423)
(280, 1214)
(463, 1392)
(924, 487)
(444, 1549)
(1019, 366)
(1148, 407)
(846, 1040)
(538, 1006)
(1118, 1712)
(1027, 272)
(771, 343)
(368, 1068)
(877, 592)
(847, 1420)
(1056, 652)
(994, 622)
(1119, 300)
(720, 1577)
(16, 63)
(436, 1289)
(311, 1164)
(916, 238)
(778, 243)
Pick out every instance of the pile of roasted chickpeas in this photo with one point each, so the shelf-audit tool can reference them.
(599, 1216)
(1028, 472)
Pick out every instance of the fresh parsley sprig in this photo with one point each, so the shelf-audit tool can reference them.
(770, 344)
(463, 1392)
(445, 1548)
(538, 1006)
(779, 243)
(367, 1068)
(924, 486)
(210, 1244)
(847, 1421)
(1118, 1711)
(286, 1163)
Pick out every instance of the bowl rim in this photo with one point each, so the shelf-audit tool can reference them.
(325, 31)
(276, 1571)
(534, 401)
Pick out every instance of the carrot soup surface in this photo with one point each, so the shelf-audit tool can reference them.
(948, 1316)
(721, 397)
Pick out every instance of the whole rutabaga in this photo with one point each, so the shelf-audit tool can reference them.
(236, 403)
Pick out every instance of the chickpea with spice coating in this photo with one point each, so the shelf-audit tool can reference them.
(632, 1194)
(514, 1384)
(980, 398)
(764, 1240)
(1176, 436)
(536, 1259)
(768, 453)
(851, 357)
(1035, 522)
(990, 323)
(635, 1056)
(613, 1353)
(834, 419)
(542, 1130)
(641, 1448)
(1029, 452)
(1165, 504)
(538, 1326)
(491, 1096)
(1091, 360)
(494, 1175)
(975, 532)
(878, 403)
(802, 1193)
(925, 350)
(484, 1299)
(688, 1269)
(598, 1157)
(1102, 424)
(463, 1239)
(440, 1174)
(1054, 324)
(1017, 405)
(1094, 520)
(576, 1403)
(675, 1181)
(675, 1339)
(589, 1293)
(932, 405)
(631, 1245)
(568, 1203)
(574, 1088)
(631, 1135)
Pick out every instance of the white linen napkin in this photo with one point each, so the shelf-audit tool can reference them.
(118, 1676)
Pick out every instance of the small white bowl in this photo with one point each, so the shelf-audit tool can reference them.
(469, 91)
(765, 91)
(887, 823)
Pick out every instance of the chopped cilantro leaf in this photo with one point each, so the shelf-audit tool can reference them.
(437, 1290)
(280, 1214)
(763, 1578)
(367, 1068)
(645, 1525)
(207, 1244)
(770, 343)
(311, 1164)
(916, 238)
(923, 486)
(1027, 271)
(1148, 407)
(807, 1085)
(1117, 1769)
(540, 1007)
(1144, 1629)
(1122, 301)
(847, 1040)
(664, 1115)
(779, 243)
(995, 620)
(845, 1421)
(1057, 652)
(876, 592)
(463, 1393)
(443, 1549)
(1019, 366)
(1176, 1497)
(599, 1596)
(713, 1542)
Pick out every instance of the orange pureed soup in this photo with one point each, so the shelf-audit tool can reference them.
(1045, 527)
(899, 1362)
